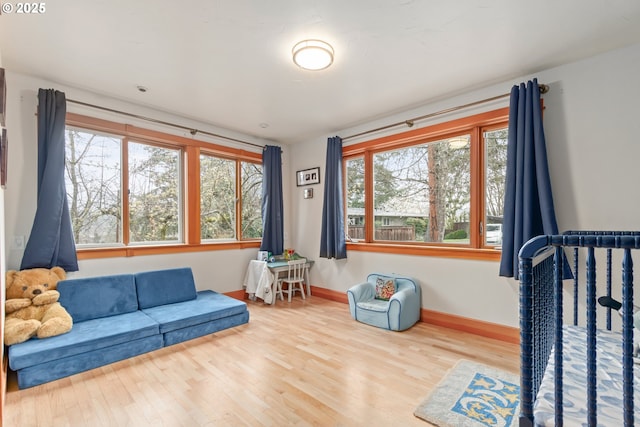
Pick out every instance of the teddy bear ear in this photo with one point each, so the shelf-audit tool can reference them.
(59, 271)
(10, 276)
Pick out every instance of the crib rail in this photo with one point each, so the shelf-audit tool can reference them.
(541, 313)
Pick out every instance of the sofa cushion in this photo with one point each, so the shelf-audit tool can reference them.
(385, 288)
(60, 368)
(161, 287)
(207, 306)
(378, 305)
(85, 336)
(191, 332)
(95, 297)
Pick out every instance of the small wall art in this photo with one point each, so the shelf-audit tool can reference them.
(3, 158)
(308, 177)
(3, 99)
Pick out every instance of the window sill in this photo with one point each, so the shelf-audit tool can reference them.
(484, 254)
(130, 251)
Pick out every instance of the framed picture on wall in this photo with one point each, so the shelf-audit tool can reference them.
(3, 99)
(3, 158)
(308, 176)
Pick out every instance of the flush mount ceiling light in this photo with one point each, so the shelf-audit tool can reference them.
(313, 54)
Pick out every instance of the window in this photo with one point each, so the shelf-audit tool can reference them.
(130, 189)
(217, 198)
(436, 190)
(495, 146)
(355, 197)
(155, 214)
(251, 185)
(93, 182)
(421, 192)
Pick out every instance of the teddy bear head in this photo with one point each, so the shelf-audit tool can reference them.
(32, 282)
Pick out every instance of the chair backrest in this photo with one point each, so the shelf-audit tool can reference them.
(296, 269)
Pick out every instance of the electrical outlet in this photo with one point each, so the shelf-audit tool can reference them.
(18, 242)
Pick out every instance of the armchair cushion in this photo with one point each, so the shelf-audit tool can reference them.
(385, 288)
(400, 312)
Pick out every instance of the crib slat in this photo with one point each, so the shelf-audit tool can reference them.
(608, 287)
(591, 338)
(627, 337)
(557, 280)
(575, 286)
(527, 391)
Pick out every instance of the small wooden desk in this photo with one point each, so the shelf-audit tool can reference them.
(280, 265)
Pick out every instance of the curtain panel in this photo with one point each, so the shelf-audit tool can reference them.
(332, 240)
(528, 203)
(272, 207)
(51, 241)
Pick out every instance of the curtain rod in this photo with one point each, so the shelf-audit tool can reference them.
(543, 89)
(192, 131)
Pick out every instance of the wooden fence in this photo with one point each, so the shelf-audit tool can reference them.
(386, 232)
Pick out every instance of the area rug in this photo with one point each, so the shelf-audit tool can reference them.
(473, 395)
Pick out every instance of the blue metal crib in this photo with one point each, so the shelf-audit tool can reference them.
(542, 327)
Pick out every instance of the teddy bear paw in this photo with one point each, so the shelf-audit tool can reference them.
(20, 331)
(53, 327)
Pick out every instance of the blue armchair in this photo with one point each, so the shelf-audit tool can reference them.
(400, 312)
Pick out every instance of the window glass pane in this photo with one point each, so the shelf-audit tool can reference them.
(422, 192)
(92, 179)
(251, 190)
(495, 143)
(355, 198)
(154, 194)
(217, 198)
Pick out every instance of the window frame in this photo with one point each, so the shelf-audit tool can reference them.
(190, 197)
(474, 125)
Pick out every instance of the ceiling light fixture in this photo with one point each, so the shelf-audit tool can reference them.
(312, 55)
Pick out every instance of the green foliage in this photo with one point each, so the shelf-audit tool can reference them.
(420, 225)
(456, 235)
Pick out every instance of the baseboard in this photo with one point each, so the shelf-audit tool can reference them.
(451, 321)
(478, 327)
(329, 294)
(240, 294)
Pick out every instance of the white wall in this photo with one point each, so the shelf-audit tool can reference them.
(222, 271)
(592, 124)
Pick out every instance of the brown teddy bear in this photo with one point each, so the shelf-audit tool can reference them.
(32, 306)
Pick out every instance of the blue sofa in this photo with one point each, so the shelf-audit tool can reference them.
(120, 316)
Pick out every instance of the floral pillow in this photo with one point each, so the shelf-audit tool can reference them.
(385, 288)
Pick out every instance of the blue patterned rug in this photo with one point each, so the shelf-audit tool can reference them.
(473, 395)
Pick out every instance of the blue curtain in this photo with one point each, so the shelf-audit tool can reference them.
(272, 221)
(51, 241)
(528, 202)
(332, 240)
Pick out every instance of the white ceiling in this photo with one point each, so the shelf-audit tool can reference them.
(228, 63)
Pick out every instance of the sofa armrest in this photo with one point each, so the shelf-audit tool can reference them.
(404, 308)
(361, 292)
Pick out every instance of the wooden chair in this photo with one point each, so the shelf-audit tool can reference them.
(294, 279)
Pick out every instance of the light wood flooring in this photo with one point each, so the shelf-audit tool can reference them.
(304, 363)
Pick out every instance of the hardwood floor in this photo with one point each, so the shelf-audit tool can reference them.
(305, 363)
